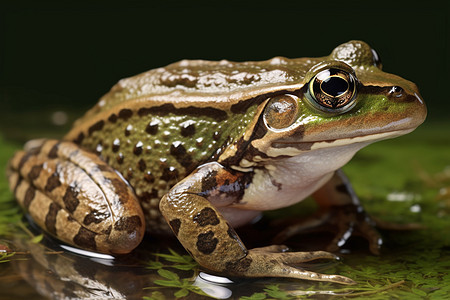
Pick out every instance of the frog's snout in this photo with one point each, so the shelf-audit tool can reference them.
(417, 110)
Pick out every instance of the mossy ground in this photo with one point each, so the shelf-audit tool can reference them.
(405, 180)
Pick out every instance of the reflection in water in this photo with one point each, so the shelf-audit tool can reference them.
(67, 276)
(212, 285)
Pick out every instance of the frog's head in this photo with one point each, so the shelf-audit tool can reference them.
(345, 99)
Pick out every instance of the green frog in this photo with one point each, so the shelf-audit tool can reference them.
(199, 148)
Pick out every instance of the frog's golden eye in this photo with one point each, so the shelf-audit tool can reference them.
(281, 111)
(333, 89)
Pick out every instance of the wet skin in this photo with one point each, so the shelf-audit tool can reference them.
(200, 147)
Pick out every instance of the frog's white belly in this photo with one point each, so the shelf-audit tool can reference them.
(287, 181)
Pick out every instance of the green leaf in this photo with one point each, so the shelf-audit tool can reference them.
(255, 296)
(275, 292)
(4, 257)
(168, 274)
(154, 265)
(156, 295)
(37, 239)
(167, 283)
(186, 267)
(181, 293)
(418, 292)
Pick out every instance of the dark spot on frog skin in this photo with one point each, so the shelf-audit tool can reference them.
(24, 159)
(128, 224)
(239, 266)
(216, 135)
(175, 224)
(79, 138)
(128, 130)
(85, 239)
(278, 185)
(137, 150)
(70, 199)
(187, 128)
(206, 242)
(165, 109)
(125, 114)
(34, 172)
(146, 196)
(104, 168)
(206, 216)
(149, 177)
(130, 174)
(120, 189)
(115, 145)
(52, 182)
(18, 182)
(179, 152)
(53, 153)
(209, 182)
(152, 127)
(95, 217)
(29, 196)
(169, 173)
(113, 118)
(96, 127)
(142, 165)
(119, 158)
(50, 218)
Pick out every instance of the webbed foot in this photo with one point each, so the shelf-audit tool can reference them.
(259, 263)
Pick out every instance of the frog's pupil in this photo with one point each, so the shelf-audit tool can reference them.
(334, 86)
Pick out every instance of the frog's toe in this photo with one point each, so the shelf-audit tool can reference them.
(309, 275)
(285, 265)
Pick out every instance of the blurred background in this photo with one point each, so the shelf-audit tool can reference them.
(58, 58)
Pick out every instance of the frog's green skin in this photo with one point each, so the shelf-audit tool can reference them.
(206, 146)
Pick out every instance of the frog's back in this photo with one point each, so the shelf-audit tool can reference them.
(220, 84)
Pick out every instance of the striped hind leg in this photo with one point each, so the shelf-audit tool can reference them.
(75, 196)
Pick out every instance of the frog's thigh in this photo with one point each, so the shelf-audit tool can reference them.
(77, 197)
(198, 225)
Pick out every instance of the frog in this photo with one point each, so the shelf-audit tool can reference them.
(199, 148)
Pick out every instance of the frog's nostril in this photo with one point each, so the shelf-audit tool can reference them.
(396, 91)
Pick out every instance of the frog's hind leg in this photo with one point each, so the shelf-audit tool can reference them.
(76, 197)
(190, 211)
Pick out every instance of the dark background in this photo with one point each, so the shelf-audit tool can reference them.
(65, 55)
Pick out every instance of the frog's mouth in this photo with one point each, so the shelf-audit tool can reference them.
(344, 141)
(362, 138)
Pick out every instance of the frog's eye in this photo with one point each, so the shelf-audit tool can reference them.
(333, 90)
(281, 111)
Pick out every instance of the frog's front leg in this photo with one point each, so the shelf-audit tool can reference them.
(208, 237)
(341, 212)
(75, 196)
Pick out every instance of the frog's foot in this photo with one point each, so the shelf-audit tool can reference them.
(345, 221)
(260, 263)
